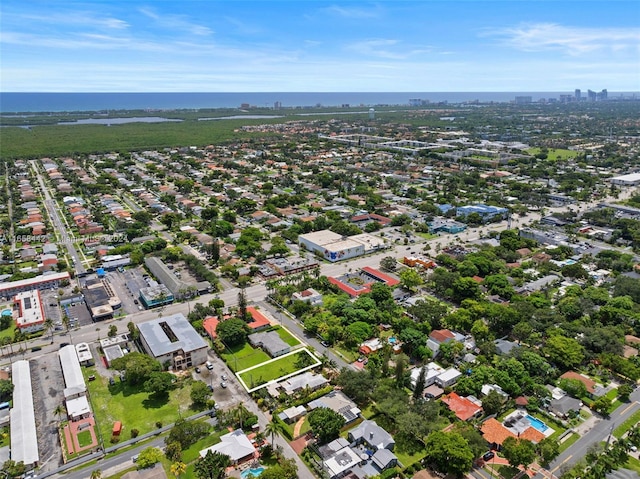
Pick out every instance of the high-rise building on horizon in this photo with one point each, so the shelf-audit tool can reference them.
(578, 94)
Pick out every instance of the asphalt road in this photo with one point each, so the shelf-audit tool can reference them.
(599, 433)
(58, 225)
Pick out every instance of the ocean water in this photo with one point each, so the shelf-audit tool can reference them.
(57, 102)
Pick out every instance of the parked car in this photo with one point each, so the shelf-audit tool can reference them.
(224, 377)
(209, 366)
(198, 370)
(223, 385)
(488, 456)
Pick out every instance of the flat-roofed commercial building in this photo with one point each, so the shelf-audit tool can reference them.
(44, 281)
(154, 296)
(631, 179)
(180, 289)
(72, 373)
(172, 339)
(28, 311)
(334, 247)
(24, 438)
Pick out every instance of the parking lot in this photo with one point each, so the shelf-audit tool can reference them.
(228, 396)
(47, 384)
(77, 312)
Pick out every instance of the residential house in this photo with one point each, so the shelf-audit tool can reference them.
(564, 406)
(270, 342)
(448, 378)
(311, 296)
(236, 445)
(337, 401)
(465, 408)
(369, 433)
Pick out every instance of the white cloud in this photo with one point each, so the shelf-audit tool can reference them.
(176, 22)
(391, 49)
(79, 19)
(570, 40)
(353, 12)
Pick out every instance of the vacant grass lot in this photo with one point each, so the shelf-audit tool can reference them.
(132, 406)
(287, 337)
(273, 370)
(243, 357)
(555, 153)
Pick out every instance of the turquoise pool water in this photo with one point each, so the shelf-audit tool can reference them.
(392, 340)
(256, 472)
(537, 424)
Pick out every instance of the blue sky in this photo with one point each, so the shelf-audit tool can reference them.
(307, 45)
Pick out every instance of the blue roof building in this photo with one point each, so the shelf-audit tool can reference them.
(486, 212)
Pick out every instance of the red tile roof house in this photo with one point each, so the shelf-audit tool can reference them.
(259, 320)
(463, 408)
(589, 384)
(495, 433)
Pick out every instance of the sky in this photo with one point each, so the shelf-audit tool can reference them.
(319, 46)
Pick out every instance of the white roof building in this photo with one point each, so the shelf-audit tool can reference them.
(341, 461)
(78, 408)
(84, 353)
(24, 438)
(236, 445)
(73, 378)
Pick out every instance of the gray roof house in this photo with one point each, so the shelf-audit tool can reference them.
(370, 433)
(337, 401)
(504, 347)
(563, 406)
(271, 342)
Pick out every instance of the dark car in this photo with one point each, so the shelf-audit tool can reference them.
(62, 345)
(488, 456)
(198, 370)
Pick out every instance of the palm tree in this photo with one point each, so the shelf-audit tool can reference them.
(59, 411)
(96, 474)
(178, 468)
(242, 412)
(48, 325)
(273, 428)
(67, 324)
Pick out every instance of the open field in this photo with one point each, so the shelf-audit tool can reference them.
(132, 406)
(555, 153)
(287, 337)
(243, 357)
(273, 370)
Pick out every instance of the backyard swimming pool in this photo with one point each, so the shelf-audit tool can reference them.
(253, 471)
(537, 423)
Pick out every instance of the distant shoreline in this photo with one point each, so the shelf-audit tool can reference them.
(16, 102)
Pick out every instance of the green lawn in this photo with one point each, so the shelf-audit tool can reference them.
(132, 406)
(627, 424)
(507, 472)
(287, 337)
(407, 459)
(554, 153)
(570, 440)
(633, 464)
(273, 370)
(84, 438)
(346, 354)
(243, 357)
